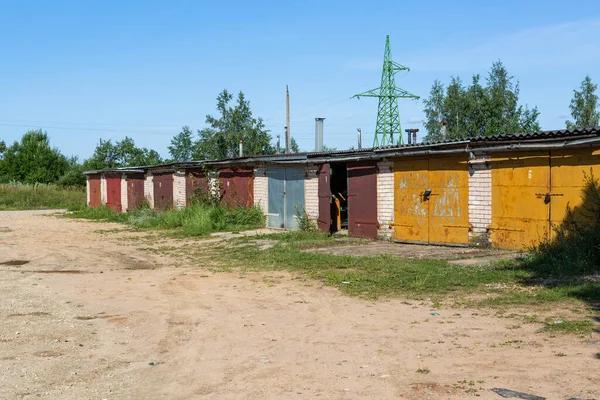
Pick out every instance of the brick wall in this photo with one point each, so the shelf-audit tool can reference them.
(385, 198)
(311, 192)
(103, 190)
(149, 189)
(124, 203)
(179, 198)
(480, 201)
(261, 194)
(87, 189)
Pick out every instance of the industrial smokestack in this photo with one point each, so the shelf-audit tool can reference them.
(359, 138)
(319, 133)
(241, 148)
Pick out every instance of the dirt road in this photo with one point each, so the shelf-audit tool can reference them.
(88, 313)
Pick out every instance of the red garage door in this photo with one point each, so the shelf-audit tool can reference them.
(135, 191)
(237, 187)
(95, 195)
(362, 199)
(163, 190)
(113, 191)
(195, 184)
(324, 220)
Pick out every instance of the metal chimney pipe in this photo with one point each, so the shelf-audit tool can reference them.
(415, 136)
(319, 133)
(409, 135)
(278, 144)
(241, 148)
(359, 138)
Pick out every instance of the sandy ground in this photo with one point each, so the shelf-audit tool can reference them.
(90, 314)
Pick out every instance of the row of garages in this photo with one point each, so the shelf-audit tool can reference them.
(505, 191)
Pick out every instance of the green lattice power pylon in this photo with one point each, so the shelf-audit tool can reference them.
(388, 115)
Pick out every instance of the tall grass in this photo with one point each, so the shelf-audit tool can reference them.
(195, 220)
(20, 196)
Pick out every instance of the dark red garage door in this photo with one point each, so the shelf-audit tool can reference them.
(195, 184)
(163, 190)
(237, 187)
(362, 199)
(135, 191)
(324, 220)
(113, 191)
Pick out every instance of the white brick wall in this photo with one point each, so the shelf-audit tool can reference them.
(311, 192)
(480, 200)
(87, 189)
(385, 198)
(149, 189)
(179, 199)
(124, 203)
(261, 194)
(102, 190)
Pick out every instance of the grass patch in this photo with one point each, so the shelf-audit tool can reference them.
(566, 326)
(196, 220)
(18, 196)
(372, 277)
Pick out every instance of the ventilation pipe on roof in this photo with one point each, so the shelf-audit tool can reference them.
(359, 138)
(319, 133)
(241, 148)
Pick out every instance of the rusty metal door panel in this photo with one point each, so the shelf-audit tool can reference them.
(195, 184)
(135, 191)
(237, 187)
(449, 200)
(568, 169)
(520, 215)
(163, 190)
(362, 199)
(113, 192)
(324, 220)
(95, 194)
(411, 219)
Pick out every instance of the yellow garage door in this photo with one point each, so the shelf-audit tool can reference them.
(432, 200)
(568, 169)
(520, 207)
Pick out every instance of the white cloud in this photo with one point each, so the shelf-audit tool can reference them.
(563, 116)
(414, 120)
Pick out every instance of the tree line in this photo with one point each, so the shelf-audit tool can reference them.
(470, 110)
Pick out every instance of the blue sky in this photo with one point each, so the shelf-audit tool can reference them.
(85, 70)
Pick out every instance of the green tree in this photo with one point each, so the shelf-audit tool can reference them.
(32, 160)
(221, 139)
(123, 153)
(181, 148)
(476, 110)
(434, 109)
(294, 146)
(585, 108)
(74, 174)
(2, 148)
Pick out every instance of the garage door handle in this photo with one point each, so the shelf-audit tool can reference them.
(391, 224)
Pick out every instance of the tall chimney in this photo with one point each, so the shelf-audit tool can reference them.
(319, 133)
(408, 135)
(288, 142)
(278, 144)
(359, 138)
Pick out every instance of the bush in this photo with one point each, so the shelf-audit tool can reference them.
(575, 249)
